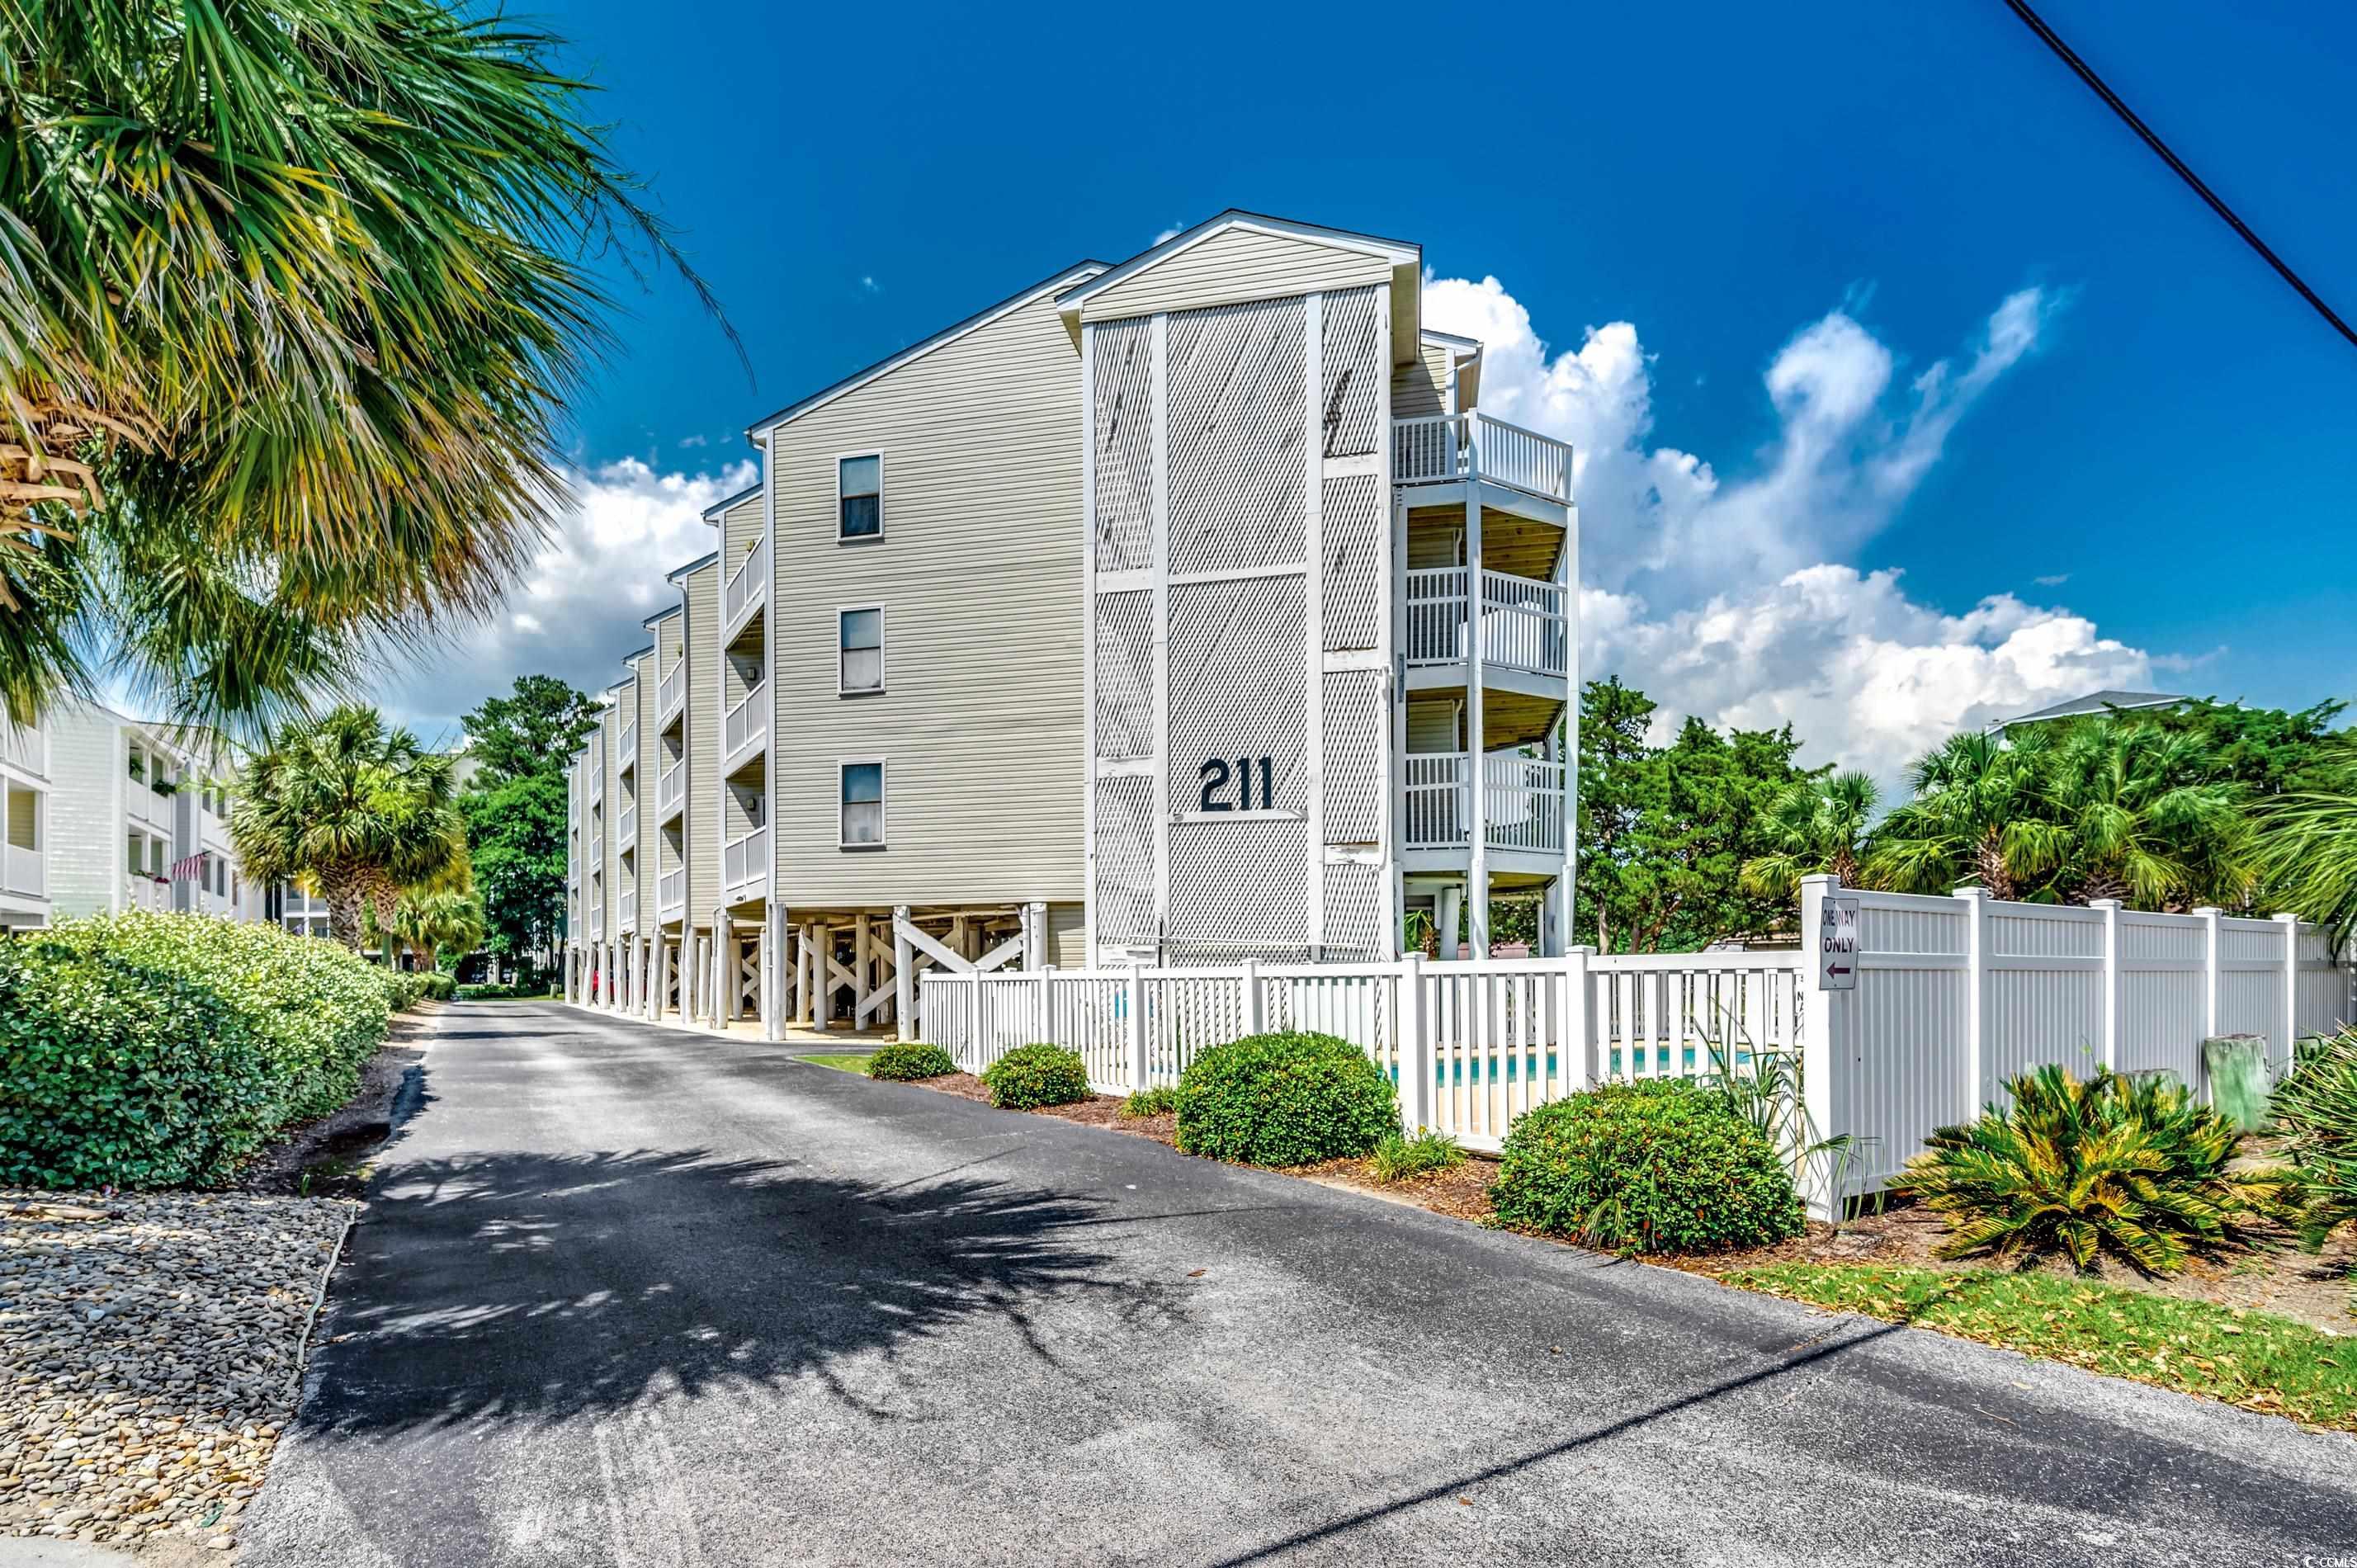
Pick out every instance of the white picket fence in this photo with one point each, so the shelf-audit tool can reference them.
(1954, 996)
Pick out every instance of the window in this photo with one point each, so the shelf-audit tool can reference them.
(863, 805)
(861, 669)
(859, 496)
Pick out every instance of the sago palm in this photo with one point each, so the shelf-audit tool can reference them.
(291, 297)
(1964, 823)
(2125, 812)
(1817, 825)
(359, 811)
(2129, 1167)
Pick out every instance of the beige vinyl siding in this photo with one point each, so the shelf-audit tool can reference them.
(650, 851)
(609, 868)
(1432, 725)
(1235, 265)
(1067, 936)
(979, 574)
(740, 530)
(701, 592)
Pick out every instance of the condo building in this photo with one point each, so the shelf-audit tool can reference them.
(1178, 611)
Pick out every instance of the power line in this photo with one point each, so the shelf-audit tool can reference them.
(2037, 24)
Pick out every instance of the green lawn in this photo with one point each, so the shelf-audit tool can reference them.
(840, 1064)
(2251, 1359)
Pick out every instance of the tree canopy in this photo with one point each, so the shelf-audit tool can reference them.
(516, 809)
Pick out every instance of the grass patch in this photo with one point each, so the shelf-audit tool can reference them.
(1399, 1158)
(1162, 1099)
(840, 1064)
(2251, 1359)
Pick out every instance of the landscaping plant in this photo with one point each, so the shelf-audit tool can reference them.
(1400, 1158)
(158, 1050)
(1663, 1165)
(2316, 1123)
(1030, 1077)
(1285, 1100)
(909, 1061)
(1161, 1100)
(2131, 1167)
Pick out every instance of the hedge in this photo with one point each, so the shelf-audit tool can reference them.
(1285, 1100)
(907, 1061)
(1031, 1077)
(160, 1050)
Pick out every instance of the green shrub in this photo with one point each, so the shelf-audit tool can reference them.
(1031, 1076)
(402, 990)
(907, 1061)
(1159, 1100)
(1399, 1158)
(2128, 1166)
(441, 986)
(2315, 1113)
(1657, 1167)
(1285, 1100)
(154, 1051)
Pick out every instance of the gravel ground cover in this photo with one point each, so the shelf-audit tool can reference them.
(148, 1348)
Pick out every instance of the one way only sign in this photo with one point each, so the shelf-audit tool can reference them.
(1837, 945)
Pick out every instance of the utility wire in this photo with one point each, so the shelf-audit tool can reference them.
(2037, 24)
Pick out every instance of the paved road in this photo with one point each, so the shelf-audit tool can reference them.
(628, 1296)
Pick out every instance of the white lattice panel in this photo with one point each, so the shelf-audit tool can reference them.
(1351, 358)
(1125, 717)
(1357, 546)
(1239, 679)
(1239, 886)
(1123, 434)
(1125, 861)
(1355, 913)
(1237, 407)
(1356, 730)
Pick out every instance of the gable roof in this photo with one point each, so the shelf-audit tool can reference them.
(692, 567)
(712, 513)
(918, 350)
(660, 616)
(2096, 702)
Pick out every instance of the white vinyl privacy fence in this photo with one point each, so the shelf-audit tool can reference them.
(1952, 997)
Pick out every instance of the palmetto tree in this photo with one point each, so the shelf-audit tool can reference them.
(2307, 852)
(2125, 812)
(1973, 796)
(429, 919)
(1817, 825)
(291, 295)
(359, 811)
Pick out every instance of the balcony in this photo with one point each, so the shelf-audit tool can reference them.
(1455, 448)
(745, 862)
(670, 791)
(627, 756)
(1521, 801)
(671, 695)
(597, 853)
(626, 909)
(597, 924)
(1522, 622)
(23, 872)
(671, 895)
(140, 891)
(746, 589)
(596, 777)
(746, 728)
(626, 830)
(146, 806)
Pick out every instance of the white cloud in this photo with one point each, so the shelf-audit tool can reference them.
(1170, 234)
(578, 606)
(1723, 592)
(2055, 581)
(695, 441)
(867, 284)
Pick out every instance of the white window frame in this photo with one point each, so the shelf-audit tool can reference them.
(883, 803)
(883, 674)
(882, 521)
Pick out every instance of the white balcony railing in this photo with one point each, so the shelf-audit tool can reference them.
(626, 829)
(596, 777)
(143, 892)
(1523, 626)
(627, 756)
(626, 909)
(146, 806)
(671, 789)
(748, 587)
(23, 872)
(597, 924)
(746, 860)
(1522, 800)
(597, 853)
(670, 693)
(747, 722)
(1449, 448)
(670, 893)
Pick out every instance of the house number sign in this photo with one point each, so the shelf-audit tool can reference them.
(1229, 788)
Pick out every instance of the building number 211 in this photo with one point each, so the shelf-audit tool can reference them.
(1216, 776)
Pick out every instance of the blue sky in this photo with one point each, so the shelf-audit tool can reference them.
(1752, 229)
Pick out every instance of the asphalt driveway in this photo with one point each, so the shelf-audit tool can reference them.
(635, 1297)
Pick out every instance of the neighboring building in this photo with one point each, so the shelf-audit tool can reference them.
(302, 913)
(138, 819)
(24, 826)
(1182, 611)
(2093, 704)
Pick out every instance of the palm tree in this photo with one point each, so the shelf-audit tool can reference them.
(1817, 825)
(361, 810)
(2123, 811)
(426, 921)
(291, 300)
(2308, 849)
(1972, 796)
